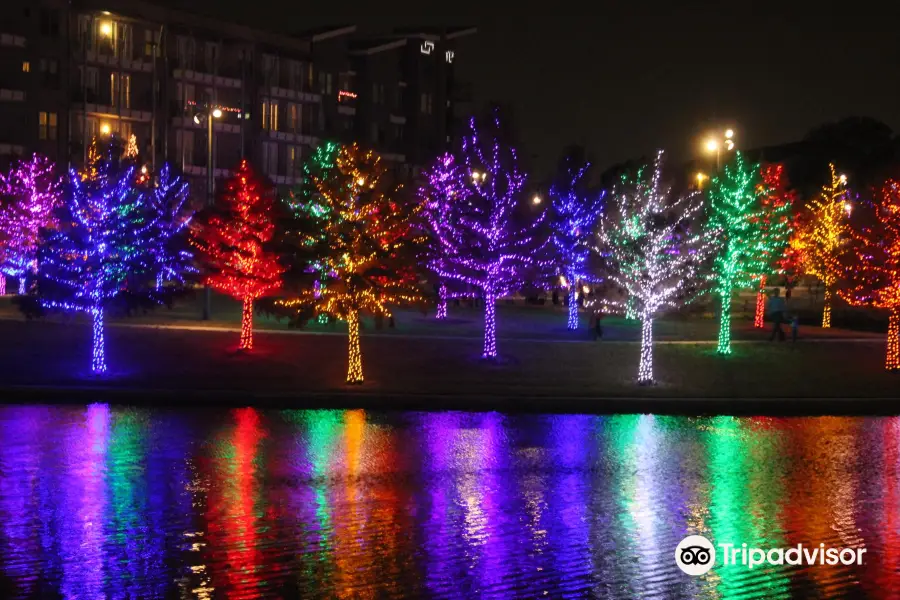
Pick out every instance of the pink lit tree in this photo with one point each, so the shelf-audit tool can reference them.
(490, 250)
(31, 192)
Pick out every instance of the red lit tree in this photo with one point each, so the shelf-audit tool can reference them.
(232, 239)
(775, 217)
(871, 269)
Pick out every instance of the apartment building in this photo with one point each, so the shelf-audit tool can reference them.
(72, 71)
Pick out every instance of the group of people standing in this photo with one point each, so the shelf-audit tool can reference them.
(776, 309)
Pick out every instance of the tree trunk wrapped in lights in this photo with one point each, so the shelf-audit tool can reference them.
(30, 195)
(574, 212)
(654, 249)
(355, 229)
(734, 217)
(482, 245)
(232, 240)
(774, 221)
(871, 267)
(821, 241)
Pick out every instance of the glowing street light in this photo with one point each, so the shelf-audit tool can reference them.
(536, 200)
(217, 113)
(106, 29)
(476, 175)
(729, 133)
(843, 179)
(104, 129)
(712, 146)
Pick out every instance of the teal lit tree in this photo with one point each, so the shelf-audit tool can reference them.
(734, 219)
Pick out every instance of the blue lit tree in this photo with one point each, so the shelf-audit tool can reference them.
(102, 240)
(169, 215)
(575, 211)
(494, 250)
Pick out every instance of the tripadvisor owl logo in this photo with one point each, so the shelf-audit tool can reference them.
(695, 555)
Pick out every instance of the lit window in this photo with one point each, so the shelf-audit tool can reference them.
(26, 66)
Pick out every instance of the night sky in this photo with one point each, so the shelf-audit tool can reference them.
(640, 75)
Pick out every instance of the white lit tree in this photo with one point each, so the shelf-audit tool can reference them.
(654, 249)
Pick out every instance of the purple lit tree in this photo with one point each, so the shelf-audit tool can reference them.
(574, 213)
(654, 249)
(102, 239)
(31, 192)
(490, 252)
(445, 184)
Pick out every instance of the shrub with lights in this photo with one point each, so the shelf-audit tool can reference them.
(733, 217)
(654, 248)
(871, 267)
(822, 239)
(233, 238)
(573, 216)
(30, 194)
(492, 250)
(355, 229)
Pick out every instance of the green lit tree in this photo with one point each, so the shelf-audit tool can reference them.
(307, 204)
(733, 212)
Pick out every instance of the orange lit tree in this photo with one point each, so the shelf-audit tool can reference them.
(821, 240)
(872, 267)
(360, 242)
(232, 240)
(776, 203)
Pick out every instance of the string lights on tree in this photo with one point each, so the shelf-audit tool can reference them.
(654, 249)
(445, 185)
(871, 267)
(306, 204)
(822, 239)
(31, 193)
(734, 218)
(99, 244)
(492, 253)
(574, 213)
(362, 238)
(170, 218)
(232, 239)
(774, 222)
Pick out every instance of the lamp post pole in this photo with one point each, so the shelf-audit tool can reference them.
(211, 114)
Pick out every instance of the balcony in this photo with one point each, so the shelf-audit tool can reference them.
(12, 95)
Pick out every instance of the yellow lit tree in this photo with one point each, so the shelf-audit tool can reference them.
(360, 241)
(821, 240)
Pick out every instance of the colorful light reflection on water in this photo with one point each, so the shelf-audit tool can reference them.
(119, 502)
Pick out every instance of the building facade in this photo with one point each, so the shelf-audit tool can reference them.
(73, 71)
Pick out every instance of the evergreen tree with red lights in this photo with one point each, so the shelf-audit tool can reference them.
(871, 268)
(232, 240)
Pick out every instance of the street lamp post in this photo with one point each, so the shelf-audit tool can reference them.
(215, 113)
(714, 144)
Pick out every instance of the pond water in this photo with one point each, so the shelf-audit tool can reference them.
(114, 501)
